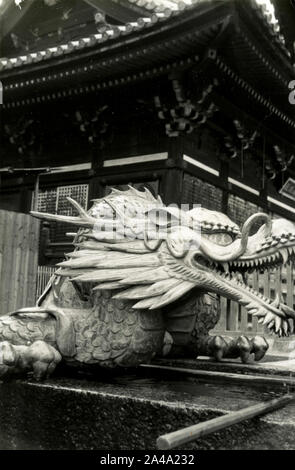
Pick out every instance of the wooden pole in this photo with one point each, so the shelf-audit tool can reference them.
(249, 379)
(36, 191)
(184, 436)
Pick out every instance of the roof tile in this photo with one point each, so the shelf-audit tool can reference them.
(157, 11)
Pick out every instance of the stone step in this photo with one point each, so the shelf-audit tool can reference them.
(100, 411)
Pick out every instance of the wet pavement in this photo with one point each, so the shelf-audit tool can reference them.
(97, 409)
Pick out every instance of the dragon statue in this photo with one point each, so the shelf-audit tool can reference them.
(131, 290)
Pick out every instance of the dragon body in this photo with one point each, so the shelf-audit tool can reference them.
(144, 280)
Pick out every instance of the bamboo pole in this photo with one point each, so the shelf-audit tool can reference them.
(191, 433)
(249, 379)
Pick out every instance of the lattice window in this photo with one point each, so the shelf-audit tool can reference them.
(46, 201)
(197, 191)
(239, 210)
(54, 201)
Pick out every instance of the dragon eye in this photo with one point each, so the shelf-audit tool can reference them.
(221, 238)
(198, 259)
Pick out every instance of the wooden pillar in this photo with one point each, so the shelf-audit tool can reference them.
(172, 186)
(224, 172)
(95, 187)
(25, 199)
(263, 197)
(171, 190)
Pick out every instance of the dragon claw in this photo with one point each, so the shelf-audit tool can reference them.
(216, 347)
(244, 348)
(259, 347)
(7, 357)
(38, 359)
(222, 347)
(43, 359)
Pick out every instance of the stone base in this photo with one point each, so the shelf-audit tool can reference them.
(130, 411)
(283, 346)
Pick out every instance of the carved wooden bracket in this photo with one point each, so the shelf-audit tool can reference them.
(94, 125)
(283, 158)
(239, 140)
(245, 136)
(25, 135)
(185, 115)
(279, 163)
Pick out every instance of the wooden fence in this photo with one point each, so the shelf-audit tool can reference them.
(19, 241)
(44, 275)
(235, 319)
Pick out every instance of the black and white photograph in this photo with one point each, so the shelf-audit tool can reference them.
(147, 228)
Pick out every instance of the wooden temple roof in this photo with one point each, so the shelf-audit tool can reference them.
(161, 35)
(87, 46)
(121, 20)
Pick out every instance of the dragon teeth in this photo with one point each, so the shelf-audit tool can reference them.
(284, 254)
(225, 266)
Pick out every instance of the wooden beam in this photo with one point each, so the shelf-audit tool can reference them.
(115, 10)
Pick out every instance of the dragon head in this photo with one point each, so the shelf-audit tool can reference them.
(151, 254)
(208, 249)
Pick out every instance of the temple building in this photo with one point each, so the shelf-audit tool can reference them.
(191, 98)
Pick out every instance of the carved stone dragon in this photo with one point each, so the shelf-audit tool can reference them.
(131, 290)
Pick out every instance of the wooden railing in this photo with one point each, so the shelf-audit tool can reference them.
(43, 277)
(235, 319)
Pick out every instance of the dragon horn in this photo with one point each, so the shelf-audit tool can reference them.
(79, 208)
(238, 247)
(84, 220)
